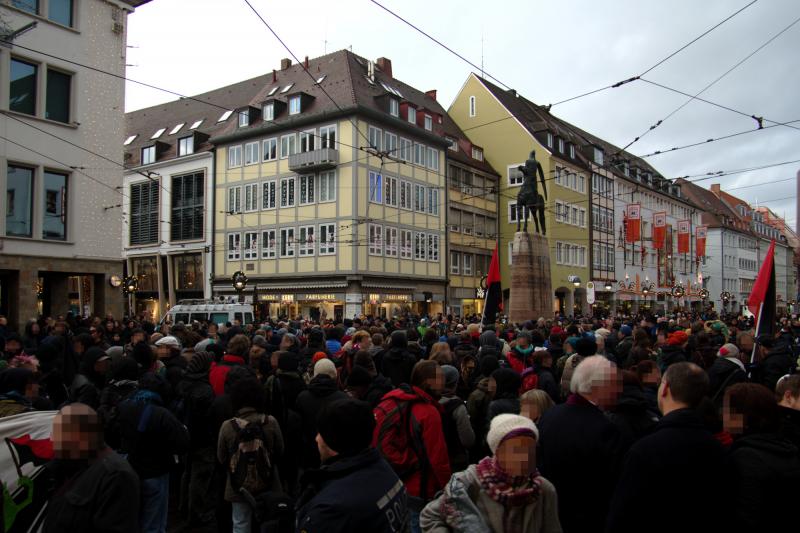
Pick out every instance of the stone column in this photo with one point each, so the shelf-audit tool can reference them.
(531, 289)
(569, 304)
(26, 294)
(59, 294)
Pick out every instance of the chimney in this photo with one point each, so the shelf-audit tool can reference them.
(431, 94)
(385, 65)
(306, 62)
(286, 63)
(274, 75)
(715, 188)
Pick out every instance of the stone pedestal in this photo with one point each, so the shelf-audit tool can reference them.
(531, 288)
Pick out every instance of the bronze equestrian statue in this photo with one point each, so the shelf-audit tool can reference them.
(529, 198)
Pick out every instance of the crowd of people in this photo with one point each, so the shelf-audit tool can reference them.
(436, 424)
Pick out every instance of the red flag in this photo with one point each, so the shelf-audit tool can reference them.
(760, 295)
(659, 229)
(700, 240)
(633, 222)
(494, 291)
(683, 236)
(30, 450)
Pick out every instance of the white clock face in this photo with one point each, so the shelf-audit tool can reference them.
(115, 281)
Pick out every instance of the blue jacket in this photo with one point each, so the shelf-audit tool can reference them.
(353, 494)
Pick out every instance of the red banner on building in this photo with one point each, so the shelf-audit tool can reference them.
(683, 236)
(700, 240)
(659, 229)
(634, 216)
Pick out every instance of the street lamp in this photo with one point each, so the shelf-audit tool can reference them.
(608, 285)
(678, 291)
(704, 293)
(130, 285)
(239, 281)
(576, 281)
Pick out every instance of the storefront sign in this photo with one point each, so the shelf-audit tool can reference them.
(480, 293)
(329, 297)
(267, 297)
(353, 298)
(395, 297)
(590, 293)
(287, 298)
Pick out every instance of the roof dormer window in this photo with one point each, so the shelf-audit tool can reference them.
(225, 116)
(159, 133)
(268, 111)
(428, 122)
(129, 140)
(412, 115)
(561, 146)
(294, 105)
(453, 144)
(598, 156)
(177, 128)
(394, 107)
(196, 124)
(287, 88)
(244, 118)
(477, 153)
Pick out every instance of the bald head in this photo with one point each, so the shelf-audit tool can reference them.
(77, 432)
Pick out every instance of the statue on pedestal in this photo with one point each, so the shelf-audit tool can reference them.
(529, 199)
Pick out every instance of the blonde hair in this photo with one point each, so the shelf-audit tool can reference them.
(539, 398)
(440, 352)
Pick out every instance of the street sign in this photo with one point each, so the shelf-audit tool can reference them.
(590, 292)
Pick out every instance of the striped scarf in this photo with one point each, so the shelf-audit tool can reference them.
(505, 489)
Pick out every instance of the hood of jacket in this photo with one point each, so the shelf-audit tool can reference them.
(508, 383)
(770, 443)
(632, 399)
(322, 386)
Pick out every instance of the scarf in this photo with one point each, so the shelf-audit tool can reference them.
(505, 489)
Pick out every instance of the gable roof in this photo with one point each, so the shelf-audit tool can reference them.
(715, 212)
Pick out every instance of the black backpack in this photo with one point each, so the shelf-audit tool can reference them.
(250, 466)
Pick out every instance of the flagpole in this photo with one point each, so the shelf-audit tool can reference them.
(758, 325)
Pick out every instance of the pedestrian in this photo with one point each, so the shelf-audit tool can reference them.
(235, 354)
(354, 489)
(788, 395)
(96, 489)
(321, 391)
(580, 449)
(774, 360)
(458, 432)
(397, 363)
(91, 379)
(726, 370)
(680, 456)
(534, 403)
(674, 351)
(505, 384)
(504, 493)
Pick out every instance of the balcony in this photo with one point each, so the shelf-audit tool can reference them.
(322, 159)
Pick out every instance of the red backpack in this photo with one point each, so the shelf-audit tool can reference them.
(530, 380)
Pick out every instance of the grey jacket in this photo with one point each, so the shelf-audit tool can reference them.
(464, 508)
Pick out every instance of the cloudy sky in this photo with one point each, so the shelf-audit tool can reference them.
(547, 50)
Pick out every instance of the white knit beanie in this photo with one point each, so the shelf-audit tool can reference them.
(507, 426)
(325, 366)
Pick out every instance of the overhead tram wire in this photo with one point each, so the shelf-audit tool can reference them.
(714, 82)
(582, 95)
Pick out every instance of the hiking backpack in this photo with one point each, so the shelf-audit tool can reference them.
(250, 467)
(399, 439)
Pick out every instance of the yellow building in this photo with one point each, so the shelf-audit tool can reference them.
(330, 193)
(508, 127)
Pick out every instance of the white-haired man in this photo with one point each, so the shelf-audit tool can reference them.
(580, 450)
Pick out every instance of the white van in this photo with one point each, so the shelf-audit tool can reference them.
(218, 311)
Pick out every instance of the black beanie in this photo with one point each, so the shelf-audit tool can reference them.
(359, 377)
(586, 347)
(346, 426)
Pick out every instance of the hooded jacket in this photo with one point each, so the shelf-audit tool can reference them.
(219, 371)
(632, 414)
(196, 395)
(506, 396)
(87, 384)
(725, 371)
(778, 362)
(397, 362)
(321, 391)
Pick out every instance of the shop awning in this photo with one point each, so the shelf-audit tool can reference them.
(301, 286)
(386, 285)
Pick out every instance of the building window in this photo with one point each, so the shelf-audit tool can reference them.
(454, 220)
(268, 244)
(287, 192)
(244, 118)
(22, 90)
(54, 225)
(391, 241)
(148, 155)
(472, 106)
(288, 145)
(31, 6)
(374, 136)
(453, 144)
(307, 141)
(390, 143)
(433, 201)
(327, 186)
(405, 195)
(455, 262)
(405, 244)
(428, 122)
(294, 105)
(394, 107)
(235, 156)
(420, 244)
(270, 147)
(234, 200)
(268, 195)
(287, 242)
(251, 245)
(144, 213)
(327, 239)
(307, 189)
(251, 153)
(186, 146)
(477, 154)
(412, 115)
(307, 242)
(467, 264)
(251, 197)
(188, 269)
(59, 11)
(433, 247)
(515, 176)
(58, 97)
(268, 111)
(549, 140)
(419, 154)
(234, 252)
(433, 159)
(375, 188)
(405, 149)
(327, 137)
(419, 198)
(572, 151)
(513, 214)
(375, 246)
(188, 206)
(391, 191)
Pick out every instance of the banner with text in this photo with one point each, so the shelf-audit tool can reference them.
(683, 236)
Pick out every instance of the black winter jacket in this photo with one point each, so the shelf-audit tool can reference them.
(632, 414)
(681, 457)
(790, 424)
(397, 364)
(196, 396)
(321, 391)
(778, 362)
(353, 494)
(723, 372)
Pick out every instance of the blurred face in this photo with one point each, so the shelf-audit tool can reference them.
(608, 392)
(101, 367)
(286, 343)
(163, 351)
(517, 455)
(653, 377)
(492, 386)
(35, 329)
(13, 347)
(32, 390)
(436, 383)
(530, 410)
(255, 355)
(467, 367)
(137, 338)
(72, 433)
(732, 422)
(523, 342)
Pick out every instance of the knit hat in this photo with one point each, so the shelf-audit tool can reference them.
(602, 332)
(359, 377)
(170, 341)
(260, 341)
(728, 350)
(586, 347)
(626, 330)
(450, 376)
(199, 364)
(677, 338)
(346, 426)
(507, 426)
(325, 366)
(318, 356)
